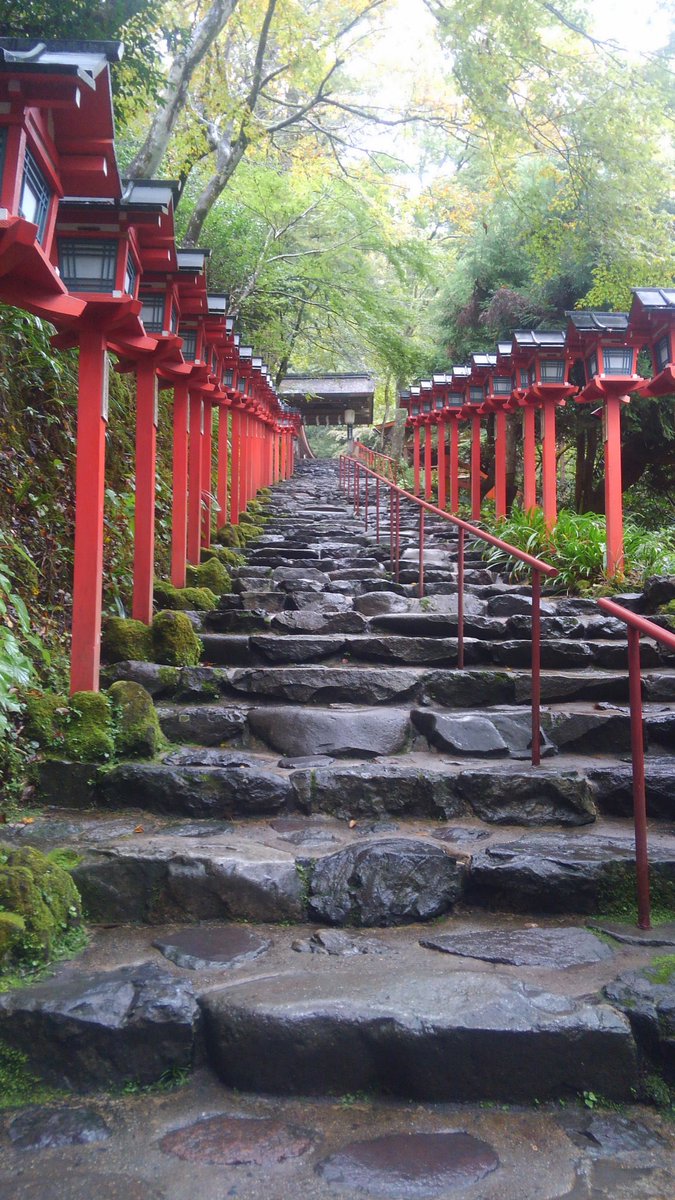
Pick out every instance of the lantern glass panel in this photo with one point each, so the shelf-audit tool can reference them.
(662, 353)
(426, 406)
(3, 150)
(439, 403)
(476, 395)
(415, 408)
(617, 360)
(524, 378)
(173, 325)
(552, 370)
(189, 337)
(88, 264)
(455, 399)
(130, 275)
(501, 385)
(228, 378)
(591, 366)
(152, 312)
(35, 196)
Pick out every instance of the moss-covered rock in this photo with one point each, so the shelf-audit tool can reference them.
(228, 535)
(45, 716)
(228, 557)
(250, 532)
(124, 639)
(137, 731)
(12, 930)
(210, 574)
(189, 599)
(41, 895)
(88, 732)
(174, 641)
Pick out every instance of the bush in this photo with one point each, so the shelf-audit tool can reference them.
(175, 643)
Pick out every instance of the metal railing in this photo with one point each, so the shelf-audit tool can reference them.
(353, 472)
(635, 626)
(376, 460)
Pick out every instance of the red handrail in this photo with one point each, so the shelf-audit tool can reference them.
(390, 465)
(350, 471)
(637, 625)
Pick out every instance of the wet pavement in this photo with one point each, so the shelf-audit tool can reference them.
(203, 1142)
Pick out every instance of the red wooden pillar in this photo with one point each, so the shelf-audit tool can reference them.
(427, 462)
(416, 459)
(440, 434)
(89, 495)
(454, 465)
(613, 485)
(549, 464)
(243, 460)
(207, 473)
(500, 463)
(475, 466)
(195, 479)
(221, 517)
(529, 458)
(234, 466)
(180, 484)
(144, 509)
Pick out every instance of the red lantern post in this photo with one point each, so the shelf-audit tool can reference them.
(541, 373)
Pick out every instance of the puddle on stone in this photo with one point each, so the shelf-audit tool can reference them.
(45, 1128)
(200, 949)
(410, 1165)
(461, 835)
(238, 1141)
(553, 948)
(203, 829)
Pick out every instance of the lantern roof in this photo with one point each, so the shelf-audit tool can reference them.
(654, 298)
(652, 310)
(84, 59)
(192, 260)
(586, 321)
(440, 380)
(461, 372)
(152, 193)
(218, 304)
(539, 339)
(484, 360)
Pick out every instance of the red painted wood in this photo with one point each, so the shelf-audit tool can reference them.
(234, 466)
(144, 509)
(529, 459)
(180, 484)
(223, 451)
(500, 463)
(416, 459)
(195, 479)
(89, 498)
(207, 471)
(454, 465)
(475, 466)
(440, 433)
(613, 485)
(549, 464)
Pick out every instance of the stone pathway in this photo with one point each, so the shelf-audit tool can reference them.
(420, 905)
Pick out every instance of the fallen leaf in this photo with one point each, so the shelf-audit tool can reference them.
(352, 824)
(139, 829)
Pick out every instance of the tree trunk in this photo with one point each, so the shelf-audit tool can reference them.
(146, 163)
(214, 188)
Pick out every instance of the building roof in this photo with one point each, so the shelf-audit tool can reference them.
(322, 399)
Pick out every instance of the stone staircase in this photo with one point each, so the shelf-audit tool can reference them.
(346, 849)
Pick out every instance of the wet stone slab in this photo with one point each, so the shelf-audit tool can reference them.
(553, 948)
(76, 1183)
(608, 1134)
(203, 949)
(410, 1165)
(238, 1141)
(630, 935)
(47, 1128)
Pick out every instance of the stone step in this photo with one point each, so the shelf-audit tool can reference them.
(222, 784)
(325, 1012)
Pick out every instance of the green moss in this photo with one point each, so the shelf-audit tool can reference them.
(668, 609)
(662, 968)
(42, 894)
(189, 599)
(126, 640)
(229, 558)
(88, 733)
(305, 872)
(210, 574)
(228, 535)
(137, 731)
(250, 532)
(12, 929)
(45, 714)
(18, 1085)
(617, 894)
(66, 857)
(169, 677)
(175, 642)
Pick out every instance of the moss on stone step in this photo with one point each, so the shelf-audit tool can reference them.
(88, 732)
(125, 639)
(40, 896)
(137, 731)
(189, 599)
(174, 641)
(210, 574)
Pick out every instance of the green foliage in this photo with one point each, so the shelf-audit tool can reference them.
(174, 641)
(125, 639)
(137, 731)
(88, 732)
(576, 547)
(228, 535)
(189, 599)
(225, 555)
(18, 1085)
(211, 575)
(662, 968)
(42, 895)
